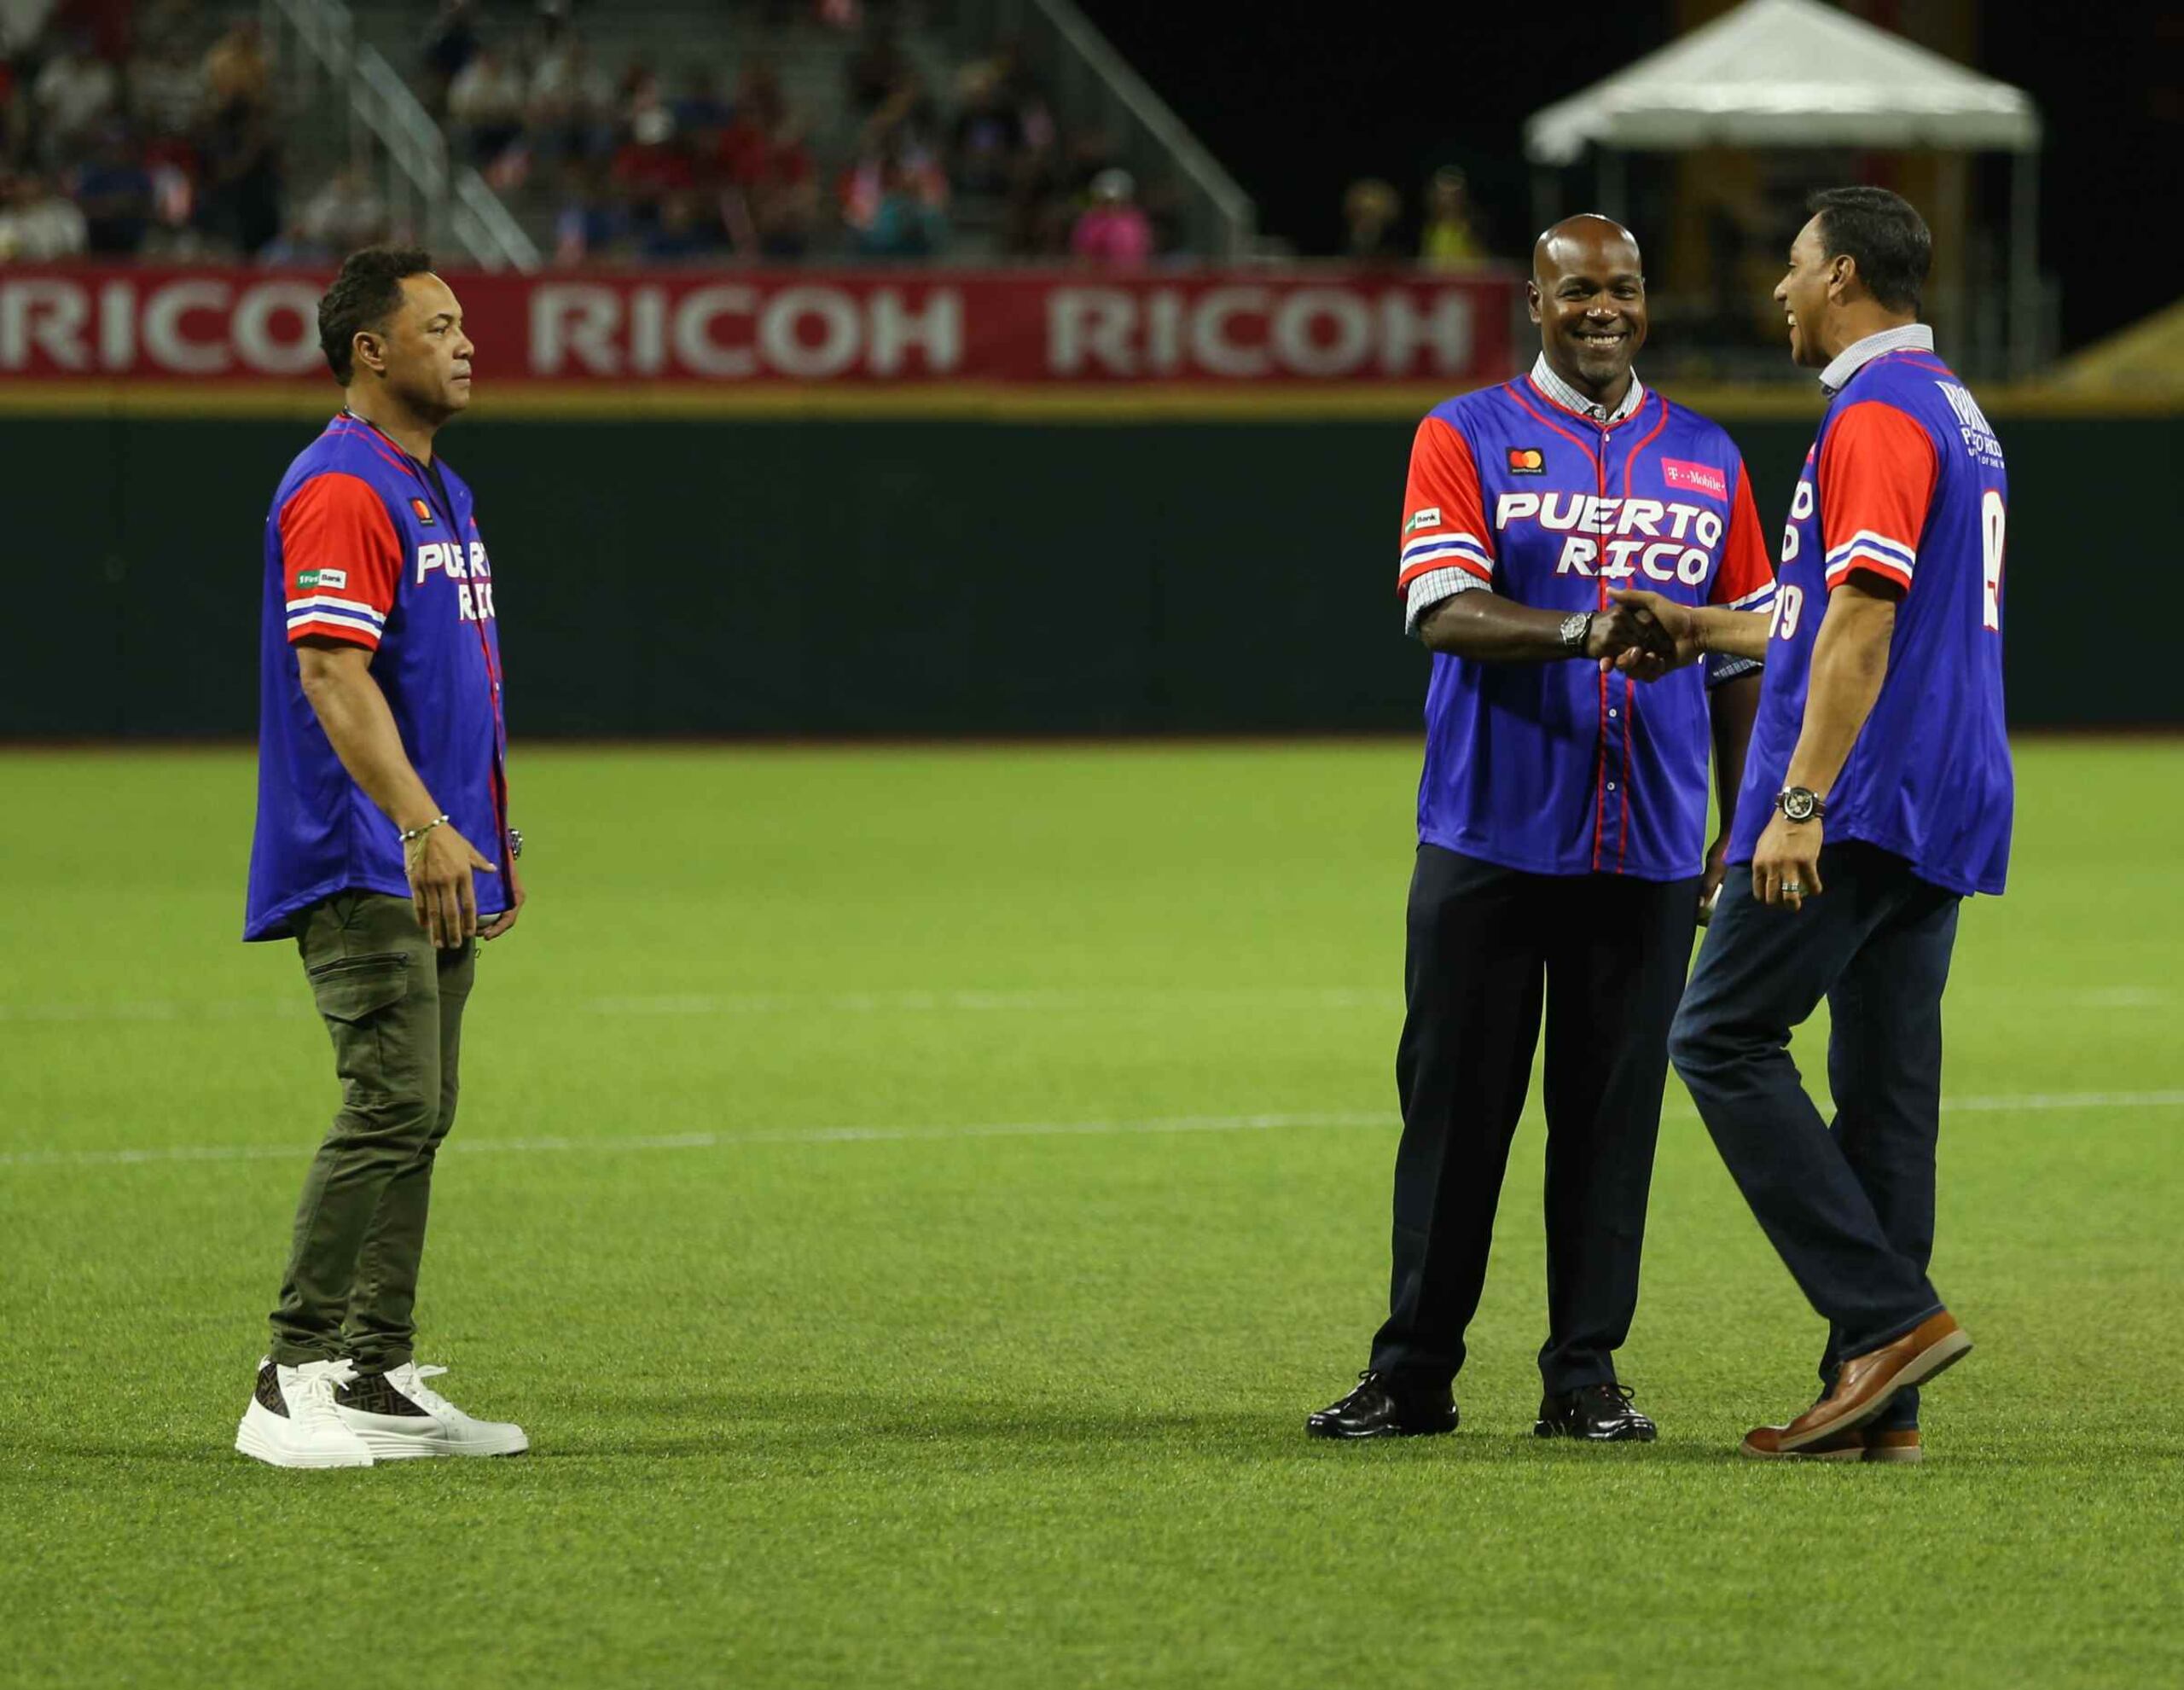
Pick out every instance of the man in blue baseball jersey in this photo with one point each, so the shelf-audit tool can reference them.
(1877, 795)
(1562, 849)
(382, 849)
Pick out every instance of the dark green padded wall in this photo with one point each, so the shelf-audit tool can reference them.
(911, 577)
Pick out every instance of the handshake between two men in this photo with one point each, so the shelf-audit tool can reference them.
(1645, 636)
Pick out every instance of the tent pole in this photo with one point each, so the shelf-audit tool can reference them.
(1611, 184)
(1546, 197)
(2024, 264)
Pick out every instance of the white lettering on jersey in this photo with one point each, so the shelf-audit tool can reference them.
(1971, 423)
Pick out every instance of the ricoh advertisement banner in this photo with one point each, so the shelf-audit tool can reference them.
(1287, 330)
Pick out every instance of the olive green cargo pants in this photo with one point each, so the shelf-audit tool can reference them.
(394, 1007)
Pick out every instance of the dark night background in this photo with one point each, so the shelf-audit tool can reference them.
(1297, 99)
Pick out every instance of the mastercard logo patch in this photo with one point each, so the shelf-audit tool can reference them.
(1527, 461)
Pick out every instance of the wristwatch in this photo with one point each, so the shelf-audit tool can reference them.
(1576, 629)
(1800, 804)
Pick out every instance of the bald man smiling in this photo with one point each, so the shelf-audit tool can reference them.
(1562, 861)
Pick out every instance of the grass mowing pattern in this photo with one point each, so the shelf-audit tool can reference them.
(913, 1404)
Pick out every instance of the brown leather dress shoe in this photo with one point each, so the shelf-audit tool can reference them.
(1855, 1443)
(1868, 1383)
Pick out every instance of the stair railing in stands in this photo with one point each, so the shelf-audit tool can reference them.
(1091, 80)
(421, 192)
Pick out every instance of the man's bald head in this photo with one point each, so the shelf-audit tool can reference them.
(1586, 239)
(1588, 295)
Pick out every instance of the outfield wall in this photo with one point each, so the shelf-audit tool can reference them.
(1161, 566)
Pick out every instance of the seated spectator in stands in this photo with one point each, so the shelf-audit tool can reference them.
(893, 204)
(763, 147)
(877, 71)
(113, 190)
(1112, 231)
(651, 164)
(1450, 240)
(168, 91)
(74, 94)
(238, 67)
(592, 224)
(345, 214)
(700, 108)
(572, 104)
(451, 42)
(997, 129)
(37, 225)
(239, 207)
(686, 229)
(485, 104)
(1370, 208)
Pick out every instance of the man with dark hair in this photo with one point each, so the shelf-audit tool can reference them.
(1876, 795)
(1562, 851)
(381, 758)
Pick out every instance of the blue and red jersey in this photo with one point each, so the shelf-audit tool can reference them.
(1906, 482)
(1553, 767)
(367, 546)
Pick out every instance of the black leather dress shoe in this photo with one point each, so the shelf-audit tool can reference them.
(1596, 1414)
(1385, 1405)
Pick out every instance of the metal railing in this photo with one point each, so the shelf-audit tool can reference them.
(1090, 79)
(410, 158)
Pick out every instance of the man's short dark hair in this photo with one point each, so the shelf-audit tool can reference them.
(367, 293)
(1883, 233)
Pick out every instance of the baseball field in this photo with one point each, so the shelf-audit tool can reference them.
(912, 1198)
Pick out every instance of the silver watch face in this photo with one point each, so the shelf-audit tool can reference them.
(1798, 804)
(1574, 627)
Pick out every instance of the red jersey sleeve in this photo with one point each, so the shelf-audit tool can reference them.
(1877, 475)
(342, 559)
(1443, 517)
(1746, 579)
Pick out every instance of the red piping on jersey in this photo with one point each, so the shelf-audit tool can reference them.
(1516, 392)
(1629, 691)
(411, 466)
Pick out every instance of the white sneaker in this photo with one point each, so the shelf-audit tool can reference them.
(399, 1415)
(291, 1421)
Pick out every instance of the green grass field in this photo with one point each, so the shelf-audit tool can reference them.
(913, 1197)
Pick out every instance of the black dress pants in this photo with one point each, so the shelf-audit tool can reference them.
(1607, 955)
(1848, 1204)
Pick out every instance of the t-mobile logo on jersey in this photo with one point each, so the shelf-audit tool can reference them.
(469, 570)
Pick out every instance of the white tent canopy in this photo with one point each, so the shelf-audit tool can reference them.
(1788, 73)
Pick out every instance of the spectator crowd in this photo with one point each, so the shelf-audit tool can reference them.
(704, 160)
(149, 130)
(158, 129)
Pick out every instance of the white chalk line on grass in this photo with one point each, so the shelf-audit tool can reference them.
(764, 1003)
(859, 1135)
(1036, 1000)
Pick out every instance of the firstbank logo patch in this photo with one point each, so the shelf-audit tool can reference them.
(424, 511)
(1527, 461)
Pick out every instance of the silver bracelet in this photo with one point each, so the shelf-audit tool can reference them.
(411, 835)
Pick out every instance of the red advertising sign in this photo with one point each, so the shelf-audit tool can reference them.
(1295, 329)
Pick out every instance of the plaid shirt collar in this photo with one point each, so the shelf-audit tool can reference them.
(1912, 336)
(1563, 394)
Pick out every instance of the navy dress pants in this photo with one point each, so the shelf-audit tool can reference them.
(1606, 956)
(1848, 1204)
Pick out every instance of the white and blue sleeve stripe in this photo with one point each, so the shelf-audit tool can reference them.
(1892, 557)
(1458, 549)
